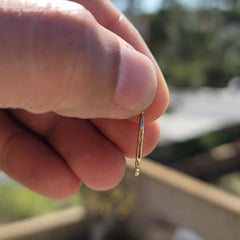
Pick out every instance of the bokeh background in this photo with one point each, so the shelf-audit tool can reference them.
(197, 45)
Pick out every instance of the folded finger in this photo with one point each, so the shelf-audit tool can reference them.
(124, 134)
(28, 160)
(90, 155)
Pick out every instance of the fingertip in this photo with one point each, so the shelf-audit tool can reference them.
(160, 102)
(137, 81)
(107, 175)
(158, 106)
(124, 134)
(67, 188)
(152, 136)
(150, 141)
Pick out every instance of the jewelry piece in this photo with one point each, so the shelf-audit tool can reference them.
(139, 145)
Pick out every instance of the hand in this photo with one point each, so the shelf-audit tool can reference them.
(72, 76)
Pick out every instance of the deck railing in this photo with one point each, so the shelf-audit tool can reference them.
(164, 196)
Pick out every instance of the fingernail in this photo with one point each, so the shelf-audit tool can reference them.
(137, 81)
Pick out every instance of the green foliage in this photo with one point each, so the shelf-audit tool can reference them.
(198, 47)
(230, 182)
(17, 202)
(194, 47)
(117, 202)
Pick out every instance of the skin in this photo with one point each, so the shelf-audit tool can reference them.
(60, 122)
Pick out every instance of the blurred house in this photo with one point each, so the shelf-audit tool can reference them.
(195, 112)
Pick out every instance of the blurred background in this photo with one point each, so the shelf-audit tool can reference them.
(197, 45)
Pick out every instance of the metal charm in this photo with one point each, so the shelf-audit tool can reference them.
(139, 145)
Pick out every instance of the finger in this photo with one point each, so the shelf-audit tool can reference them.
(109, 17)
(92, 157)
(32, 163)
(54, 56)
(124, 134)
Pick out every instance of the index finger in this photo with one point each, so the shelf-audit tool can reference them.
(111, 18)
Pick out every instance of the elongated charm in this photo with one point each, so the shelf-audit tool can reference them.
(139, 145)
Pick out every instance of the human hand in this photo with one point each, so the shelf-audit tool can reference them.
(70, 86)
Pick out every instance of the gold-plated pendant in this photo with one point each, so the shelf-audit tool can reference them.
(139, 145)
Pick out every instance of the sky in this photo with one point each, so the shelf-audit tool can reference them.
(150, 5)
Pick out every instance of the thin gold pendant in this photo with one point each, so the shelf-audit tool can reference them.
(139, 145)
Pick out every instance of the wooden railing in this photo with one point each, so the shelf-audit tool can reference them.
(182, 201)
(164, 197)
(64, 224)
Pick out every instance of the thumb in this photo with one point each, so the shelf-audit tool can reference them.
(54, 56)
